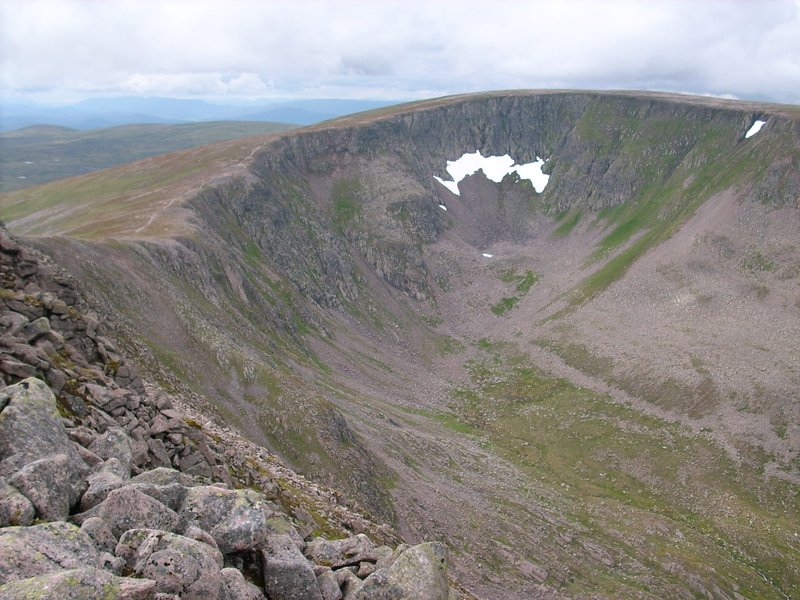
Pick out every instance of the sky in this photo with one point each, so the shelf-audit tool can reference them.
(68, 50)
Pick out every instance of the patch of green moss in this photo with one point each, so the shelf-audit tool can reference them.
(571, 219)
(504, 305)
(758, 262)
(523, 285)
(345, 205)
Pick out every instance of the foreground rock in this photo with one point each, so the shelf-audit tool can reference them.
(133, 502)
(50, 547)
(79, 584)
(236, 519)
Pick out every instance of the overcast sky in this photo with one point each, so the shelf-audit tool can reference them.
(62, 50)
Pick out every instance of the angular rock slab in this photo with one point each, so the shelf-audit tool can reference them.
(45, 482)
(329, 586)
(235, 587)
(236, 519)
(171, 495)
(342, 553)
(128, 508)
(100, 534)
(50, 547)
(287, 573)
(177, 564)
(31, 426)
(115, 443)
(420, 573)
(79, 584)
(15, 509)
(101, 484)
(164, 476)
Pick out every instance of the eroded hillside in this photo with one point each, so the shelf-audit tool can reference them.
(587, 392)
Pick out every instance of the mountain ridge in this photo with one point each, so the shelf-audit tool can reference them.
(592, 378)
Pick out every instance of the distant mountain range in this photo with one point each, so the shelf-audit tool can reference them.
(96, 113)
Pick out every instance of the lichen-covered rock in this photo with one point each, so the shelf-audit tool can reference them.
(164, 476)
(37, 329)
(195, 533)
(420, 573)
(278, 525)
(287, 573)
(101, 484)
(30, 551)
(329, 585)
(99, 532)
(78, 584)
(178, 564)
(171, 495)
(235, 587)
(31, 426)
(128, 508)
(236, 519)
(341, 553)
(349, 583)
(15, 509)
(115, 443)
(45, 482)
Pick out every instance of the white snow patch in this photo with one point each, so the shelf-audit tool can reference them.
(487, 255)
(443, 207)
(755, 129)
(495, 168)
(450, 185)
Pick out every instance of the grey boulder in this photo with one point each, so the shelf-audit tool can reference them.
(31, 427)
(15, 509)
(115, 443)
(342, 553)
(46, 483)
(78, 584)
(128, 508)
(287, 573)
(178, 564)
(236, 519)
(235, 587)
(50, 547)
(420, 573)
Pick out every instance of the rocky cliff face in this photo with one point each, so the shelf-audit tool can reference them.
(107, 489)
(586, 392)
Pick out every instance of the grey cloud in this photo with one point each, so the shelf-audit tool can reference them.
(411, 48)
(366, 65)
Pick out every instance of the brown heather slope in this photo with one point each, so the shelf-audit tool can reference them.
(605, 408)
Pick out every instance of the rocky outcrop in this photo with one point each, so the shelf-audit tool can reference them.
(107, 490)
